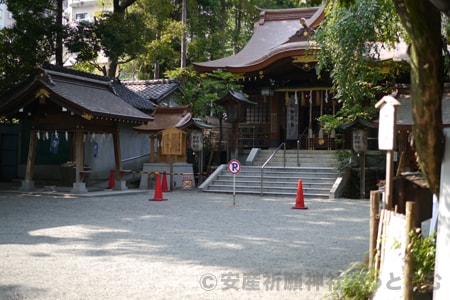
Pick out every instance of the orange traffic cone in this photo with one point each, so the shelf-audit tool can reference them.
(300, 200)
(158, 190)
(165, 188)
(111, 182)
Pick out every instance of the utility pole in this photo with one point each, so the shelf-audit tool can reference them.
(183, 38)
(59, 41)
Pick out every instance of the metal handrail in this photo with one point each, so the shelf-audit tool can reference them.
(269, 159)
(135, 157)
(298, 145)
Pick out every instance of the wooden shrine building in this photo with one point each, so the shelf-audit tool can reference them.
(277, 69)
(62, 102)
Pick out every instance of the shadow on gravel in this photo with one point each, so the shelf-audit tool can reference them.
(12, 292)
(257, 235)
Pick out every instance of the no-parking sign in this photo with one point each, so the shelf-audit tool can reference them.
(234, 166)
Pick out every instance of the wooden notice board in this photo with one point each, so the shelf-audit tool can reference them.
(173, 141)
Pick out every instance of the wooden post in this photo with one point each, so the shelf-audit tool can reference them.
(31, 155)
(386, 140)
(378, 241)
(374, 223)
(117, 151)
(152, 148)
(389, 179)
(171, 172)
(234, 140)
(362, 183)
(200, 177)
(408, 271)
(79, 151)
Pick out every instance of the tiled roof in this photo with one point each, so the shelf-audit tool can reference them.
(125, 94)
(78, 92)
(272, 37)
(167, 117)
(153, 90)
(132, 98)
(234, 95)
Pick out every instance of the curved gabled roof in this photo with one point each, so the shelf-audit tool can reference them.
(272, 39)
(167, 117)
(80, 93)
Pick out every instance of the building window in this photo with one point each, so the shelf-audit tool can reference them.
(258, 113)
(81, 17)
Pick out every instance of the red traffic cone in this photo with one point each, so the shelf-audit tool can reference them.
(111, 182)
(165, 188)
(158, 190)
(300, 200)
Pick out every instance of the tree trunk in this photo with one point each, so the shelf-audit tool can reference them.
(59, 38)
(119, 7)
(423, 24)
(183, 38)
(156, 70)
(111, 67)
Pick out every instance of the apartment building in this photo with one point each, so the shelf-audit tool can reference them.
(85, 10)
(6, 19)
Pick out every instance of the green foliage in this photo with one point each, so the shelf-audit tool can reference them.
(119, 37)
(351, 38)
(343, 157)
(30, 42)
(357, 282)
(215, 29)
(424, 256)
(143, 36)
(202, 92)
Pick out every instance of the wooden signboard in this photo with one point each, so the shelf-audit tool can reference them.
(386, 127)
(173, 141)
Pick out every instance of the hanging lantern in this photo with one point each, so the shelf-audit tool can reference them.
(196, 140)
(359, 140)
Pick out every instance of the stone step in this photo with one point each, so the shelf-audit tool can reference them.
(316, 182)
(304, 158)
(316, 169)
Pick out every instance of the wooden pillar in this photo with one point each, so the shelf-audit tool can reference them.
(389, 179)
(28, 183)
(31, 155)
(362, 183)
(408, 270)
(152, 148)
(117, 151)
(374, 223)
(79, 186)
(79, 154)
(234, 140)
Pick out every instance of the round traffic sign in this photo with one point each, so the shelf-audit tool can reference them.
(234, 166)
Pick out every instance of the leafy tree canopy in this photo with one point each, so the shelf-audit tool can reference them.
(203, 91)
(120, 38)
(30, 42)
(350, 39)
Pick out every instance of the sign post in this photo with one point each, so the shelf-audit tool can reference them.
(360, 147)
(173, 141)
(234, 167)
(386, 140)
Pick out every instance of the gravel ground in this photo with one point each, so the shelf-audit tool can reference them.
(193, 246)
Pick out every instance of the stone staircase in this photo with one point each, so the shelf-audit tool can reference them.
(316, 169)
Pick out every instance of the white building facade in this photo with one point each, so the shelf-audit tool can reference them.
(6, 19)
(85, 10)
